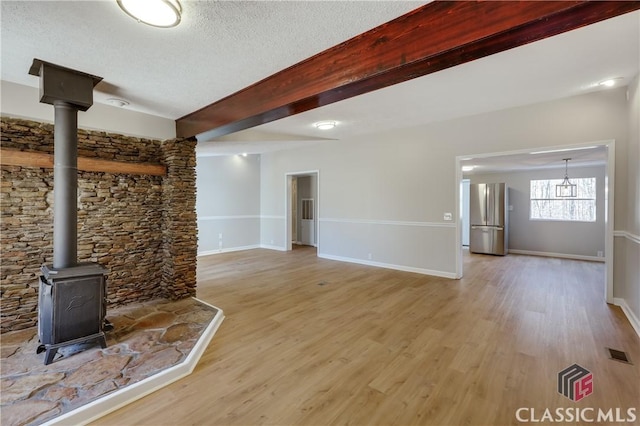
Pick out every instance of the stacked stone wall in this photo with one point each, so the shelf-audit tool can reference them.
(179, 219)
(142, 228)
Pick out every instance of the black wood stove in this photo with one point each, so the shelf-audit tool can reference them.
(72, 299)
(71, 307)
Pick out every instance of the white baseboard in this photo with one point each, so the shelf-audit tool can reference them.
(270, 247)
(118, 399)
(633, 319)
(423, 271)
(300, 243)
(560, 255)
(227, 250)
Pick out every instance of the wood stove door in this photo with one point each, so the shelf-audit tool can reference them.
(79, 309)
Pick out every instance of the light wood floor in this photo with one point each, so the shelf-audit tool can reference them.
(309, 341)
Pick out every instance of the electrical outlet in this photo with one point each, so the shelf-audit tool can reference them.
(600, 253)
(271, 242)
(510, 208)
(448, 216)
(369, 256)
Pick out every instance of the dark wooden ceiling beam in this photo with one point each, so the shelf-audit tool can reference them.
(439, 35)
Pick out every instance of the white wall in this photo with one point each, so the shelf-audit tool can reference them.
(627, 236)
(228, 203)
(21, 101)
(578, 239)
(383, 196)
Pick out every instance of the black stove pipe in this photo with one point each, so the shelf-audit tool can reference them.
(65, 178)
(69, 91)
(72, 295)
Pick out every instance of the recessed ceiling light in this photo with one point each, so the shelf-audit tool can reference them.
(325, 125)
(117, 102)
(157, 13)
(244, 154)
(610, 82)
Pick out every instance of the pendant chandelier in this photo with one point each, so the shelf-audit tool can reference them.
(566, 188)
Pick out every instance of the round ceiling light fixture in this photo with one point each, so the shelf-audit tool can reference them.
(157, 13)
(120, 103)
(325, 125)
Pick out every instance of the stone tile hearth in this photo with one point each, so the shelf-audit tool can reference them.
(147, 338)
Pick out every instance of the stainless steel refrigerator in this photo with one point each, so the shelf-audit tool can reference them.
(488, 209)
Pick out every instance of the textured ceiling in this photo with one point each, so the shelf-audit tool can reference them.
(223, 46)
(565, 65)
(219, 47)
(568, 64)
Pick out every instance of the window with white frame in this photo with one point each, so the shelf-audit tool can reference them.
(546, 206)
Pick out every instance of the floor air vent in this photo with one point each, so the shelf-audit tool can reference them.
(618, 355)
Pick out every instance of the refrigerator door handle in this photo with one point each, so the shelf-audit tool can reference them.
(488, 228)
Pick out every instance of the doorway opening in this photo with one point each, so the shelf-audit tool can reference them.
(512, 159)
(302, 227)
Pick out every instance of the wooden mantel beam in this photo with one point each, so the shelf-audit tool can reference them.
(434, 37)
(13, 157)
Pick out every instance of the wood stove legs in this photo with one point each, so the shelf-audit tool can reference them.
(51, 350)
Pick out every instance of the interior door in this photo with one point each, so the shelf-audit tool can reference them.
(308, 222)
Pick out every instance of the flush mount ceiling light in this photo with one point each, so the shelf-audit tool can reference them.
(610, 82)
(566, 188)
(117, 102)
(157, 13)
(325, 125)
(468, 168)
